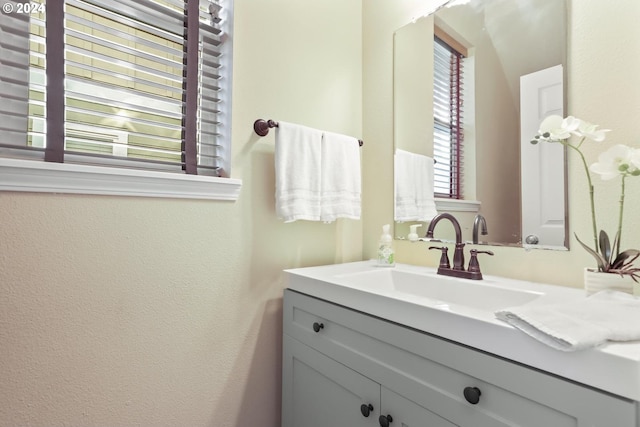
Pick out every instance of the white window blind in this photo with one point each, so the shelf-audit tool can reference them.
(142, 84)
(14, 77)
(447, 109)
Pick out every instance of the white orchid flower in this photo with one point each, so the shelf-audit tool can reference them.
(555, 128)
(635, 159)
(616, 161)
(590, 131)
(571, 123)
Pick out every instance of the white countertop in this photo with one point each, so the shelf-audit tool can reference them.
(613, 367)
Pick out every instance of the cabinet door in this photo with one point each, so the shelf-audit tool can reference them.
(320, 392)
(405, 413)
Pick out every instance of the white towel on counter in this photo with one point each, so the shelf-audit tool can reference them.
(603, 316)
(298, 160)
(414, 197)
(340, 177)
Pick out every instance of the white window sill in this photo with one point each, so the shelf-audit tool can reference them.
(455, 205)
(36, 176)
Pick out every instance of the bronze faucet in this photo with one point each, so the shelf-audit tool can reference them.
(479, 222)
(458, 255)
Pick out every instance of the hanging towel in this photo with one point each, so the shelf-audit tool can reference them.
(340, 177)
(413, 176)
(298, 151)
(405, 187)
(425, 200)
(603, 316)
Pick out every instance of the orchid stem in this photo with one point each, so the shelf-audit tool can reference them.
(591, 198)
(620, 217)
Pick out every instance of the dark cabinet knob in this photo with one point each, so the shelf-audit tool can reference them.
(385, 420)
(366, 409)
(317, 326)
(472, 394)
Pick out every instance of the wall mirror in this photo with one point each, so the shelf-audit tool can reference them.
(512, 75)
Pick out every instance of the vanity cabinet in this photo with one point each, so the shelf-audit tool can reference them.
(346, 368)
(322, 392)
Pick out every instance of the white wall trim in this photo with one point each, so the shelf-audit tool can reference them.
(455, 205)
(35, 176)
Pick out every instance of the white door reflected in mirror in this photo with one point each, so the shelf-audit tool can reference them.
(542, 165)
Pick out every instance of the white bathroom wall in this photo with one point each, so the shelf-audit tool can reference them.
(120, 311)
(603, 88)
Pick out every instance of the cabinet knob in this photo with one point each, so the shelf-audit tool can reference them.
(366, 409)
(472, 394)
(317, 326)
(385, 420)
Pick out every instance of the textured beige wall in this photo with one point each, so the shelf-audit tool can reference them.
(604, 66)
(122, 311)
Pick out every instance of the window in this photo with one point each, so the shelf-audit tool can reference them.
(140, 88)
(448, 121)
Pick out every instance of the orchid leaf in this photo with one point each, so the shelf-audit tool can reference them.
(621, 260)
(599, 259)
(634, 273)
(605, 248)
(616, 245)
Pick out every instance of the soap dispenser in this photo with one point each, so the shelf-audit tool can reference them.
(413, 232)
(385, 251)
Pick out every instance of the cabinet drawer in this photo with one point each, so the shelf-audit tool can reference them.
(434, 372)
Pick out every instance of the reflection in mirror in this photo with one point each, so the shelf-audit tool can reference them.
(475, 118)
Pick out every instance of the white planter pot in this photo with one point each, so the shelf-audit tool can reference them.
(595, 281)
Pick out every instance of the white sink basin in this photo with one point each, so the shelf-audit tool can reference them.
(443, 290)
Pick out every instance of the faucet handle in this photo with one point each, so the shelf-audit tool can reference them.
(474, 266)
(481, 252)
(444, 258)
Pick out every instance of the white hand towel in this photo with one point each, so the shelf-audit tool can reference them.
(413, 176)
(298, 172)
(340, 177)
(603, 316)
(405, 186)
(425, 199)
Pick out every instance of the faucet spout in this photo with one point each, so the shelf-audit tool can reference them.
(481, 223)
(458, 254)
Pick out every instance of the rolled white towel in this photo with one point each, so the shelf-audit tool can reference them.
(601, 317)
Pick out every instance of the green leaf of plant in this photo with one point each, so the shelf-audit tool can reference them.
(601, 262)
(605, 248)
(614, 248)
(621, 259)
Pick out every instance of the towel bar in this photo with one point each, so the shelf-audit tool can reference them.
(261, 127)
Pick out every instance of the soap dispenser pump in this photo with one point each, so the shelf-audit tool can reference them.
(385, 251)
(413, 232)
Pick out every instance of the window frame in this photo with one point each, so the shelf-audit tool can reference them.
(455, 124)
(27, 175)
(48, 177)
